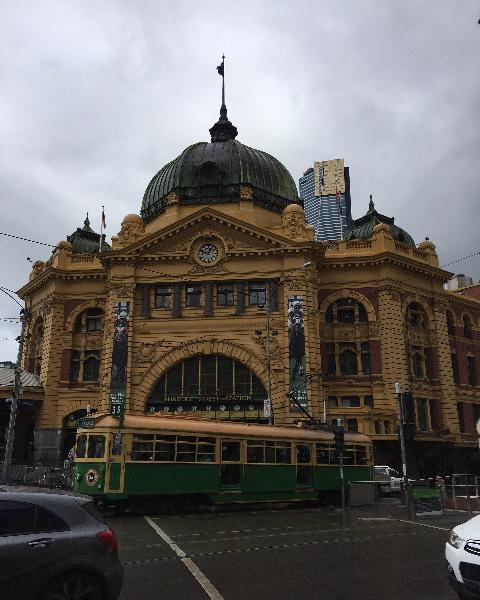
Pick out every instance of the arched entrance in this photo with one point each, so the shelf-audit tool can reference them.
(215, 386)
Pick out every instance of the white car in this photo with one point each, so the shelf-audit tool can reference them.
(393, 479)
(462, 552)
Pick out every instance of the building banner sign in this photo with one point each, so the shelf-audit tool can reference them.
(118, 380)
(296, 351)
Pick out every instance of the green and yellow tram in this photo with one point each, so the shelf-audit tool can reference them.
(159, 462)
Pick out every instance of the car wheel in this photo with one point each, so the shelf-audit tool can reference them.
(74, 586)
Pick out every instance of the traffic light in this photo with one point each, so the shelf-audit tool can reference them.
(339, 436)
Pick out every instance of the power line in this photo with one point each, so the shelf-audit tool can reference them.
(17, 237)
(10, 296)
(460, 259)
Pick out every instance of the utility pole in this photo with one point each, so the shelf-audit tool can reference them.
(339, 436)
(401, 427)
(17, 387)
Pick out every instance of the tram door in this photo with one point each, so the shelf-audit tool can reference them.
(115, 471)
(230, 467)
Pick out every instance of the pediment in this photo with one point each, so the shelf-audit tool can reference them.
(236, 235)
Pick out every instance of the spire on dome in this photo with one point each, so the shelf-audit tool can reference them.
(371, 205)
(223, 130)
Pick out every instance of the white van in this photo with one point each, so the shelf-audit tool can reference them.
(391, 477)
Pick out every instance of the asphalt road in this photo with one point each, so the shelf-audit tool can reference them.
(284, 555)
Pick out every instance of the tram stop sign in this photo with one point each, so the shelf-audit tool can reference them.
(117, 409)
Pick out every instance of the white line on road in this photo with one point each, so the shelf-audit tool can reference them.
(202, 579)
(424, 525)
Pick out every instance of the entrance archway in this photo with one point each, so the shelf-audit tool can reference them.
(212, 385)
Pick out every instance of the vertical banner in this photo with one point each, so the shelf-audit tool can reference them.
(296, 351)
(118, 380)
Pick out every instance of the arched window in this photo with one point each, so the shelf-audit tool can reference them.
(450, 323)
(346, 310)
(216, 386)
(348, 361)
(467, 327)
(89, 320)
(36, 347)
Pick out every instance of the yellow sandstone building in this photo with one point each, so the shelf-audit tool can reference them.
(205, 302)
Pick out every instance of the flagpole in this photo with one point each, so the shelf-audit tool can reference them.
(223, 80)
(101, 227)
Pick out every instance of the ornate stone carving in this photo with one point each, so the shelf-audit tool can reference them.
(147, 352)
(246, 192)
(219, 267)
(374, 328)
(345, 334)
(172, 198)
(123, 291)
(132, 228)
(295, 281)
(276, 323)
(140, 328)
(294, 224)
(275, 349)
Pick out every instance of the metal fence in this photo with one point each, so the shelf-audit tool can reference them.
(39, 476)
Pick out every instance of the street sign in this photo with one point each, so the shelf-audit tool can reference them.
(86, 423)
(117, 410)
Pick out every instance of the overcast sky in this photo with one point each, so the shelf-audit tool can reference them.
(96, 96)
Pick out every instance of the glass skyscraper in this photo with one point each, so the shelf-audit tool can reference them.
(325, 190)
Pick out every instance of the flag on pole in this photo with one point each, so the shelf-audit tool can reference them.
(104, 224)
(220, 69)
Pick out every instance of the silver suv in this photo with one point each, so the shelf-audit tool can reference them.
(56, 546)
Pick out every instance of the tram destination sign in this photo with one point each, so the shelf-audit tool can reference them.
(86, 423)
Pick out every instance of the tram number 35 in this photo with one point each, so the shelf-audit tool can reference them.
(116, 410)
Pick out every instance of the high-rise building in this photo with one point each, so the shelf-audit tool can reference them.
(325, 190)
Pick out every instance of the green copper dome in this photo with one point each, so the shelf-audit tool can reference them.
(215, 172)
(362, 228)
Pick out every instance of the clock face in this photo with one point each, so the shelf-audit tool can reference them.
(208, 253)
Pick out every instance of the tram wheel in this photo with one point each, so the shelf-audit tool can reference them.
(72, 586)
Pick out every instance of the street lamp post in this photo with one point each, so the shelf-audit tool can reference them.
(401, 418)
(15, 397)
(268, 409)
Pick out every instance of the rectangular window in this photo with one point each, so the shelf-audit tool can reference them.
(94, 319)
(164, 448)
(422, 414)
(257, 293)
(323, 451)
(163, 296)
(194, 295)
(352, 425)
(350, 401)
(332, 402)
(96, 446)
(81, 446)
(456, 377)
(366, 359)
(74, 365)
(186, 448)
(331, 363)
(360, 455)
(461, 417)
(230, 451)
(205, 449)
(142, 446)
(224, 294)
(242, 379)
(91, 365)
(368, 401)
(304, 453)
(472, 371)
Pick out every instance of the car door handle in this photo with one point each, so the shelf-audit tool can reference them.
(40, 543)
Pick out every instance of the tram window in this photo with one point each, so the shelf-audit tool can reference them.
(81, 446)
(186, 449)
(165, 449)
(254, 451)
(96, 446)
(230, 451)
(323, 454)
(270, 452)
(142, 447)
(360, 455)
(206, 449)
(304, 454)
(117, 444)
(348, 456)
(283, 453)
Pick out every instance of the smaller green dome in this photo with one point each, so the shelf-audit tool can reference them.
(362, 228)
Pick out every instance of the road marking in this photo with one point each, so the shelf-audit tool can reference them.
(202, 579)
(424, 525)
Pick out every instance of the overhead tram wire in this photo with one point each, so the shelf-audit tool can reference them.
(18, 237)
(10, 296)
